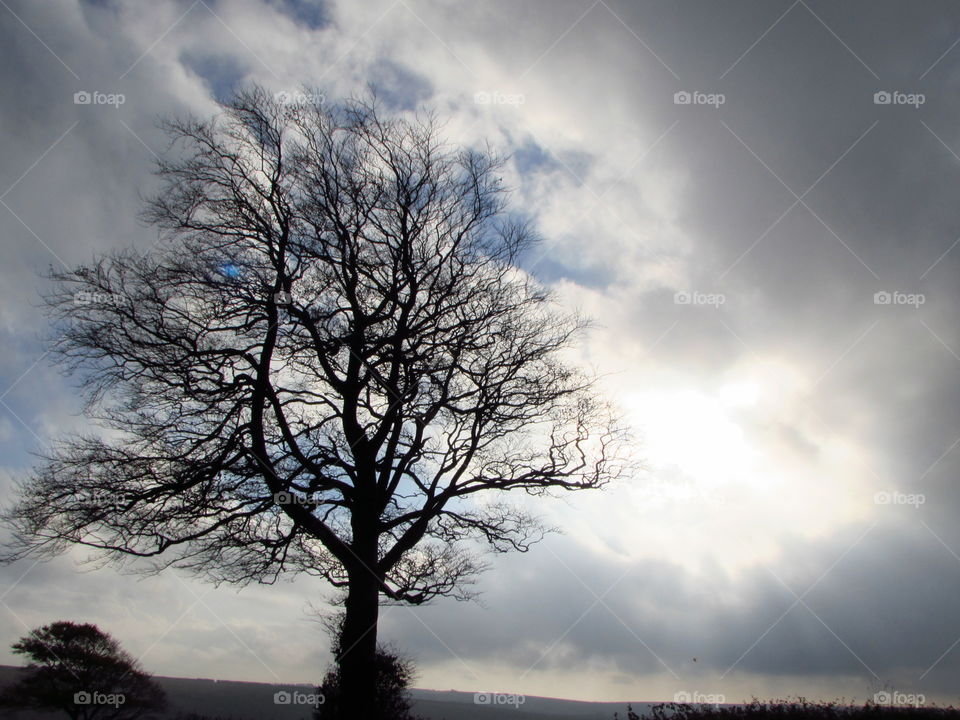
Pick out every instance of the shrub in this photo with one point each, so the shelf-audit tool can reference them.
(392, 699)
(799, 709)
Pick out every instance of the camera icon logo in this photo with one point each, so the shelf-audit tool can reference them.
(882, 297)
(882, 97)
(681, 97)
(82, 698)
(82, 98)
(282, 697)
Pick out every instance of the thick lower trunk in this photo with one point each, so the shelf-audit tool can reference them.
(358, 646)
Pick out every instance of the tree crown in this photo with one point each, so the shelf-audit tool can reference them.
(325, 359)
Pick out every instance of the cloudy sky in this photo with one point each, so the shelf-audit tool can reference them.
(756, 201)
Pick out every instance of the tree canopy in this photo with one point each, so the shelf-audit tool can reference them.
(81, 670)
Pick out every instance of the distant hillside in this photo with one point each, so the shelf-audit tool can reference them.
(255, 701)
(454, 705)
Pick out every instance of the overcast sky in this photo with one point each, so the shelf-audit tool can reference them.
(766, 244)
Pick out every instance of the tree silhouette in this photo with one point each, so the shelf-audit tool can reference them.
(391, 700)
(81, 670)
(329, 364)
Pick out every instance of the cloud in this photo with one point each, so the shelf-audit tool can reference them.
(773, 413)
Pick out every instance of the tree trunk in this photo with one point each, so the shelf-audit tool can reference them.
(358, 641)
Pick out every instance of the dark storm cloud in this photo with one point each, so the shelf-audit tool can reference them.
(874, 602)
(802, 104)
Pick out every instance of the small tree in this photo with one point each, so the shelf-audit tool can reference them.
(331, 364)
(81, 670)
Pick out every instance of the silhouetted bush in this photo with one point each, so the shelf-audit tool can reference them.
(799, 709)
(392, 699)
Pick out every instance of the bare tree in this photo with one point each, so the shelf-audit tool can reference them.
(329, 364)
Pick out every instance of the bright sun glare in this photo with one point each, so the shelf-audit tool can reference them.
(698, 433)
